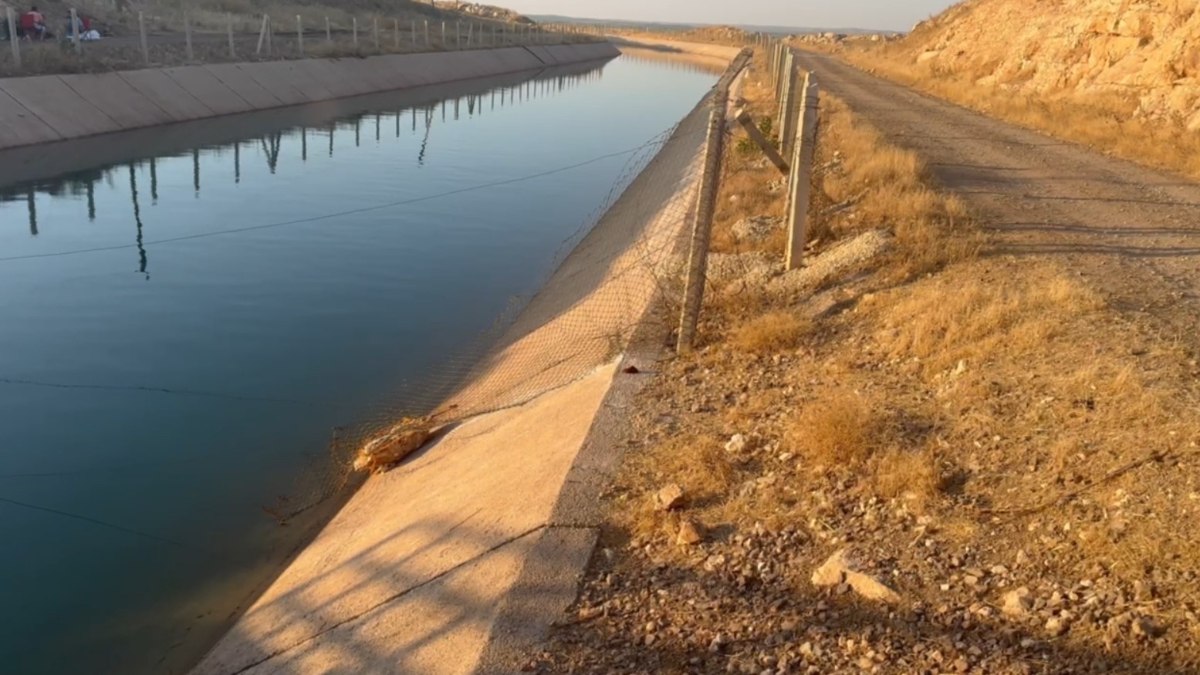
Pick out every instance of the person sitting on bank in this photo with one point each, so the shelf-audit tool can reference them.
(33, 25)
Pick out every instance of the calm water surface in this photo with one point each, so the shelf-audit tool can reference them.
(190, 341)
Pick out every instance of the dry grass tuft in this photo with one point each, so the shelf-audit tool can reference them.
(771, 333)
(839, 429)
(912, 475)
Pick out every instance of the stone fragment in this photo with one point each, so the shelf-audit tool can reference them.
(838, 569)
(669, 497)
(1017, 602)
(690, 533)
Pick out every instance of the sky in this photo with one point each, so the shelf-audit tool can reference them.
(873, 14)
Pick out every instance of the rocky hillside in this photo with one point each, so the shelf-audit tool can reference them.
(1145, 50)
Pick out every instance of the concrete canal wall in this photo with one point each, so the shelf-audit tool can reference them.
(50, 108)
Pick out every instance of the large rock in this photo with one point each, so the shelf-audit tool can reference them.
(840, 568)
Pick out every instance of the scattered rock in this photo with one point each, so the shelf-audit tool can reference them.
(690, 533)
(669, 497)
(1017, 603)
(756, 228)
(737, 444)
(1144, 628)
(1057, 626)
(838, 570)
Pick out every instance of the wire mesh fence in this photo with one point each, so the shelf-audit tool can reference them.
(103, 35)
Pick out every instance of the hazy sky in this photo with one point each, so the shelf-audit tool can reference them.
(879, 14)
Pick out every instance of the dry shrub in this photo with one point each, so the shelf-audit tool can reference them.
(913, 475)
(770, 333)
(837, 429)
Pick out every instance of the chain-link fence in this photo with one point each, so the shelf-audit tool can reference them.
(104, 35)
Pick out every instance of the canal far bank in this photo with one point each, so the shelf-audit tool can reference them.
(49, 108)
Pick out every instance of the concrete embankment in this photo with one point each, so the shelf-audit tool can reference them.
(50, 108)
(462, 556)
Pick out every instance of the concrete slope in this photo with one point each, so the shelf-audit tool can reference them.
(57, 107)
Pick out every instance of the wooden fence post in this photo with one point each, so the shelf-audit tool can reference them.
(706, 206)
(300, 34)
(232, 48)
(12, 37)
(142, 32)
(800, 188)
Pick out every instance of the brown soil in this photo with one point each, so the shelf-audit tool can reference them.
(1001, 426)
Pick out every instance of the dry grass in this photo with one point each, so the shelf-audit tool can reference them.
(773, 332)
(889, 186)
(1101, 121)
(838, 429)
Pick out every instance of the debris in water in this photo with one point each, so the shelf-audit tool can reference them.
(397, 443)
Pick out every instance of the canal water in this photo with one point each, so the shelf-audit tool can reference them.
(192, 340)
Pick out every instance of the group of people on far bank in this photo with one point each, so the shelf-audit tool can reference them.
(32, 26)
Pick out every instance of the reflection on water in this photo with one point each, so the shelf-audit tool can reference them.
(200, 321)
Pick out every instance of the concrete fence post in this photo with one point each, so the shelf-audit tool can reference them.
(12, 37)
(74, 31)
(443, 35)
(187, 38)
(270, 36)
(800, 184)
(706, 206)
(142, 33)
(414, 33)
(375, 30)
(426, 33)
(262, 35)
(354, 30)
(458, 35)
(328, 32)
(300, 34)
(229, 32)
(396, 33)
(787, 106)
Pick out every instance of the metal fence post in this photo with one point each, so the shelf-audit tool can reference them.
(800, 183)
(706, 206)
(142, 32)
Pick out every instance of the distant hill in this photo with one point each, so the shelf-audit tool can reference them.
(1147, 51)
(672, 26)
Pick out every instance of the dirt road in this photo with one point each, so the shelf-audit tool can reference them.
(1134, 233)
